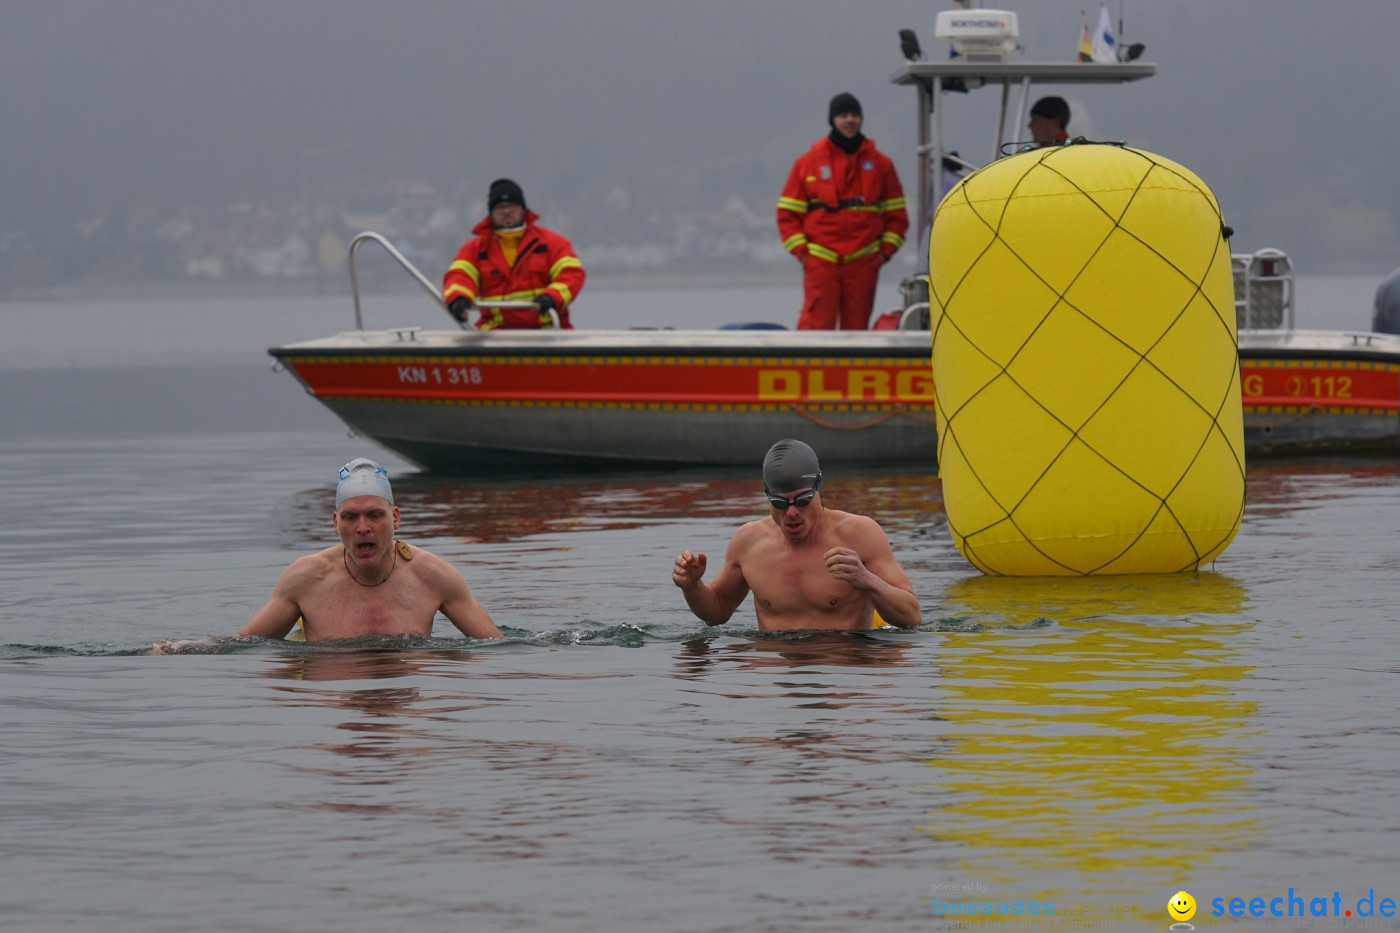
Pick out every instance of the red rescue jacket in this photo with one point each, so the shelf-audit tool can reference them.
(544, 265)
(839, 207)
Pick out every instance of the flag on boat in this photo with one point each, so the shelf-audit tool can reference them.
(1105, 44)
(1086, 44)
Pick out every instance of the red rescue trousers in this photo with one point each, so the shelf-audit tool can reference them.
(843, 292)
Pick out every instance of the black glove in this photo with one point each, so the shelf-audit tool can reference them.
(546, 303)
(885, 257)
(459, 307)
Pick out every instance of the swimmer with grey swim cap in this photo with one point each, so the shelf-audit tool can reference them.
(790, 466)
(363, 477)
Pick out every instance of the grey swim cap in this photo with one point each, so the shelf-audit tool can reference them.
(363, 477)
(791, 465)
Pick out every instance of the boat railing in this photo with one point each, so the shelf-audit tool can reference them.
(914, 293)
(1263, 290)
(915, 317)
(423, 281)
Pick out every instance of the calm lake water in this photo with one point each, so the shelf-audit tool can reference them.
(613, 764)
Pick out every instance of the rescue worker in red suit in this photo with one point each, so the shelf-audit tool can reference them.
(513, 259)
(842, 215)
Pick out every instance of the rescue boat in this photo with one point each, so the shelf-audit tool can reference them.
(594, 400)
(456, 401)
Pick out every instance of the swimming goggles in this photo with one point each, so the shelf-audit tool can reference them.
(802, 500)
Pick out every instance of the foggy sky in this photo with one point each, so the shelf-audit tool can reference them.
(1286, 108)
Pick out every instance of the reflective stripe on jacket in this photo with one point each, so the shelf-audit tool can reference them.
(545, 265)
(841, 207)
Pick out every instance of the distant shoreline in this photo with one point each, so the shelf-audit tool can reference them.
(340, 287)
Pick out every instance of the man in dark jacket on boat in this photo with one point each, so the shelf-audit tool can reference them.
(1049, 117)
(1387, 316)
(842, 215)
(511, 258)
(810, 567)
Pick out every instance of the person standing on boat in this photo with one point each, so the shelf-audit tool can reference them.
(1049, 117)
(512, 258)
(842, 215)
(1387, 317)
(809, 567)
(370, 583)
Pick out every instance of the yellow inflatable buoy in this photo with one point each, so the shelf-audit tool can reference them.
(1084, 356)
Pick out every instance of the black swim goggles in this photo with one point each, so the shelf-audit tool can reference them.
(802, 500)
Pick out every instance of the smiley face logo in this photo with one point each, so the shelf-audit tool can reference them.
(1182, 906)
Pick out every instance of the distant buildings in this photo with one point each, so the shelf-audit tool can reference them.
(304, 241)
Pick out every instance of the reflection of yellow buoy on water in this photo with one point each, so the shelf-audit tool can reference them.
(1087, 723)
(1000, 601)
(1089, 417)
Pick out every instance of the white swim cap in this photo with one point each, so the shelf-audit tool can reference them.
(363, 477)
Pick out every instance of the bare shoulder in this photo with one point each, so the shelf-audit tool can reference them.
(422, 560)
(428, 567)
(310, 569)
(853, 529)
(751, 534)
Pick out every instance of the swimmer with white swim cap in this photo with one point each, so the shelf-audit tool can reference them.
(809, 567)
(370, 583)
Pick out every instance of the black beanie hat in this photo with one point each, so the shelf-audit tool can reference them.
(842, 103)
(1052, 108)
(503, 190)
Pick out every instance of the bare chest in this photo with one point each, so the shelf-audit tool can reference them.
(797, 581)
(342, 608)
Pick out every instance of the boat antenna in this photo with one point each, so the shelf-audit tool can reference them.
(1127, 51)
